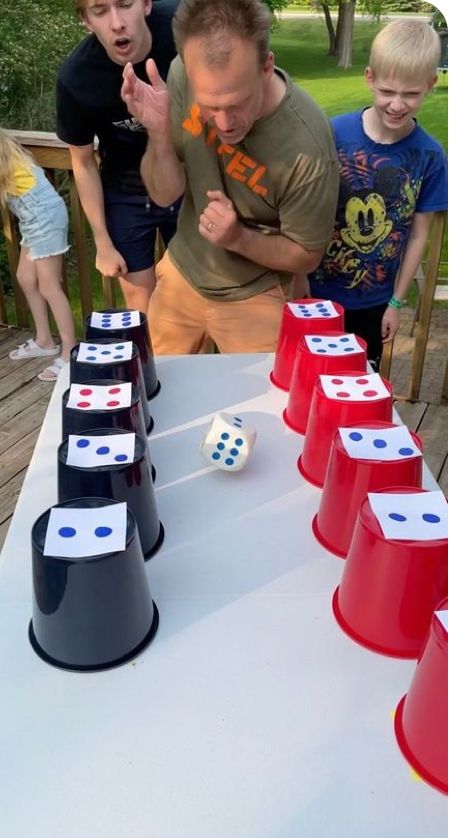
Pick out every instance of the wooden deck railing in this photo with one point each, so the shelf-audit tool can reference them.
(53, 155)
(424, 316)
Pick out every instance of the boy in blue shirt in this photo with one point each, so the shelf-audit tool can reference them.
(393, 177)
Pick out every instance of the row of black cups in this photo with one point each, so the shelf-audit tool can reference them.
(92, 606)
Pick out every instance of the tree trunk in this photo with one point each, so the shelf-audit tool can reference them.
(345, 40)
(330, 30)
(340, 26)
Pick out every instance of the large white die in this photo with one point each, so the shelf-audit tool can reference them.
(228, 443)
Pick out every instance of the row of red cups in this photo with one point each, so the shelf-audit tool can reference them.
(390, 589)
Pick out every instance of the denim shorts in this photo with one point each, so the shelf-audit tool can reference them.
(132, 222)
(43, 218)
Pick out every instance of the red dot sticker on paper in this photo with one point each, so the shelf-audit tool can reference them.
(352, 387)
(100, 396)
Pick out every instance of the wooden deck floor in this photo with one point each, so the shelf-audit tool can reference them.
(24, 399)
(23, 403)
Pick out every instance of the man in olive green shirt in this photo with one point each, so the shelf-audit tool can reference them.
(255, 159)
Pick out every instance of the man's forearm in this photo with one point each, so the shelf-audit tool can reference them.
(276, 252)
(162, 173)
(91, 196)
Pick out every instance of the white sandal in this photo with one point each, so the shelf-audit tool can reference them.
(52, 372)
(30, 349)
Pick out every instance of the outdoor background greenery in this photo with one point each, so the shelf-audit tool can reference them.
(300, 47)
(35, 36)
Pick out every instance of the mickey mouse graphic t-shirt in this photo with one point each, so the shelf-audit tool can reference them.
(381, 187)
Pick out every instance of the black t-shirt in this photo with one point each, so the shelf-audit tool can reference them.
(89, 102)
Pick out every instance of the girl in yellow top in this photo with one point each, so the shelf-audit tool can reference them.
(43, 223)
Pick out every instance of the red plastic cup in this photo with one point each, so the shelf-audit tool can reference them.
(307, 366)
(390, 588)
(421, 718)
(326, 415)
(292, 328)
(347, 482)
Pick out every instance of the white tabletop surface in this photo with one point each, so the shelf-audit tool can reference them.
(251, 714)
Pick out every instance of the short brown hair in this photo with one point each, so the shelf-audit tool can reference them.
(406, 49)
(214, 20)
(79, 7)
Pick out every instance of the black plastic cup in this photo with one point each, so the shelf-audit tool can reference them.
(128, 370)
(79, 421)
(94, 612)
(130, 482)
(130, 419)
(139, 335)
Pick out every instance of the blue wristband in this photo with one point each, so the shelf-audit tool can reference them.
(394, 303)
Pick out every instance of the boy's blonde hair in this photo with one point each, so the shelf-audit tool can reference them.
(407, 50)
(11, 155)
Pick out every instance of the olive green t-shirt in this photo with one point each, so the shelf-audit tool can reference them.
(282, 179)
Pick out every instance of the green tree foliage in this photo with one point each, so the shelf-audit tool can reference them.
(340, 28)
(35, 35)
(438, 21)
(375, 8)
(276, 5)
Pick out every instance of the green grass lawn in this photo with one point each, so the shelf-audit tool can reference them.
(301, 46)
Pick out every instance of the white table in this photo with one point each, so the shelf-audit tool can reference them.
(251, 714)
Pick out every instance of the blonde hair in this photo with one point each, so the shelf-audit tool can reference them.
(11, 154)
(406, 49)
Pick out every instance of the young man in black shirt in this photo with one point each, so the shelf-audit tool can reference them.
(121, 215)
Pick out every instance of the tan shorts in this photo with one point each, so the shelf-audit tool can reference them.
(183, 322)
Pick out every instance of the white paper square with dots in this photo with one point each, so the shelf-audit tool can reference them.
(100, 396)
(105, 353)
(334, 345)
(115, 320)
(380, 444)
(106, 450)
(412, 516)
(442, 616)
(76, 533)
(362, 388)
(321, 310)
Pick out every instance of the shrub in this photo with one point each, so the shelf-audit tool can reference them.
(35, 37)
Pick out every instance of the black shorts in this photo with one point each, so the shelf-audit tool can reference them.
(132, 222)
(367, 324)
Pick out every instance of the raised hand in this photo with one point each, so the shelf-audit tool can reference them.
(149, 103)
(219, 222)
